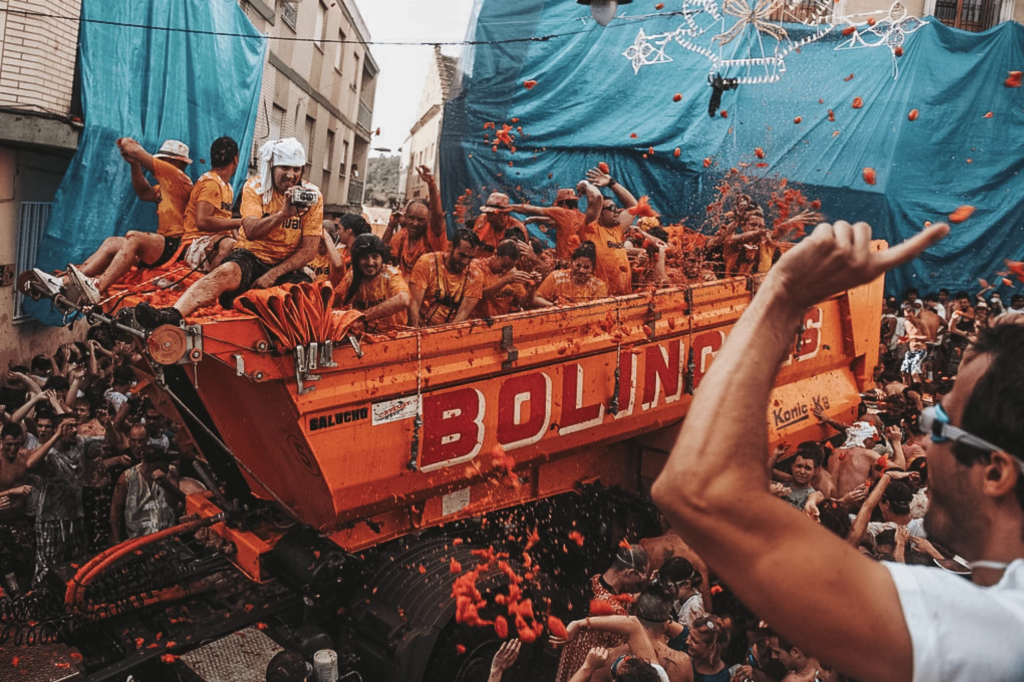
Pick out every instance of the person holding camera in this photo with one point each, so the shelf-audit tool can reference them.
(282, 227)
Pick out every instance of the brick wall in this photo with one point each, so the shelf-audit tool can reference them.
(37, 55)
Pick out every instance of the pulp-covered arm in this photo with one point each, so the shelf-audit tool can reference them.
(305, 253)
(863, 518)
(627, 626)
(437, 225)
(138, 158)
(713, 488)
(207, 222)
(416, 294)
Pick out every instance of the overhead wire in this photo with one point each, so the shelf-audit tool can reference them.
(624, 21)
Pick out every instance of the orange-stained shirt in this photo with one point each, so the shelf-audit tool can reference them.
(320, 266)
(443, 291)
(568, 224)
(488, 237)
(499, 303)
(173, 189)
(560, 289)
(407, 256)
(612, 265)
(212, 190)
(386, 285)
(282, 241)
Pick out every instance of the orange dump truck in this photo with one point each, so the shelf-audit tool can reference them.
(369, 458)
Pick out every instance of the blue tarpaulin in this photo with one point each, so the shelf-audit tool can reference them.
(173, 82)
(589, 100)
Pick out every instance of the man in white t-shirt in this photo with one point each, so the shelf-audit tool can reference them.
(899, 623)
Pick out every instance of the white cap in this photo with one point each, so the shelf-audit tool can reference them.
(173, 149)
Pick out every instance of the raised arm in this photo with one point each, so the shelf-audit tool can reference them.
(714, 487)
(437, 225)
(860, 523)
(594, 200)
(332, 252)
(626, 626)
(895, 436)
(37, 455)
(138, 158)
(625, 197)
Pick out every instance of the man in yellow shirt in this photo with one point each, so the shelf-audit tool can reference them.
(446, 287)
(574, 286)
(279, 235)
(422, 228)
(607, 235)
(117, 255)
(503, 284)
(377, 289)
(209, 226)
(568, 220)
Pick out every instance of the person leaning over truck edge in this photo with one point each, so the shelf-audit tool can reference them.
(117, 255)
(279, 235)
(574, 286)
(374, 287)
(209, 226)
(900, 622)
(422, 228)
(446, 287)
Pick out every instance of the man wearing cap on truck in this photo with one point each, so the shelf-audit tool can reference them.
(496, 219)
(566, 216)
(282, 225)
(117, 255)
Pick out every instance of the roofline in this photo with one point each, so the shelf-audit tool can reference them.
(356, 19)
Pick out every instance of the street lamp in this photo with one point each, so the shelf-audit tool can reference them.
(603, 11)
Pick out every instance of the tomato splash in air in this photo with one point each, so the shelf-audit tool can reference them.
(642, 209)
(576, 537)
(961, 214)
(912, 116)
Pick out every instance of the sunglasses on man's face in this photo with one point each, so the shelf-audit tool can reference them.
(935, 422)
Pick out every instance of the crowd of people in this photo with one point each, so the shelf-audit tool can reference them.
(659, 613)
(87, 460)
(413, 275)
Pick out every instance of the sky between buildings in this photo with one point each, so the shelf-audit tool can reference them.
(403, 70)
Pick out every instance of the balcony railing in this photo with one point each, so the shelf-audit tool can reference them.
(365, 119)
(355, 193)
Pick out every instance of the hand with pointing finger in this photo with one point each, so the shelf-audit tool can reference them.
(838, 257)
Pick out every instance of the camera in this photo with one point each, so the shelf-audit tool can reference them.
(302, 197)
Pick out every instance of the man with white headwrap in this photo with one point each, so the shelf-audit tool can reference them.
(851, 464)
(276, 240)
